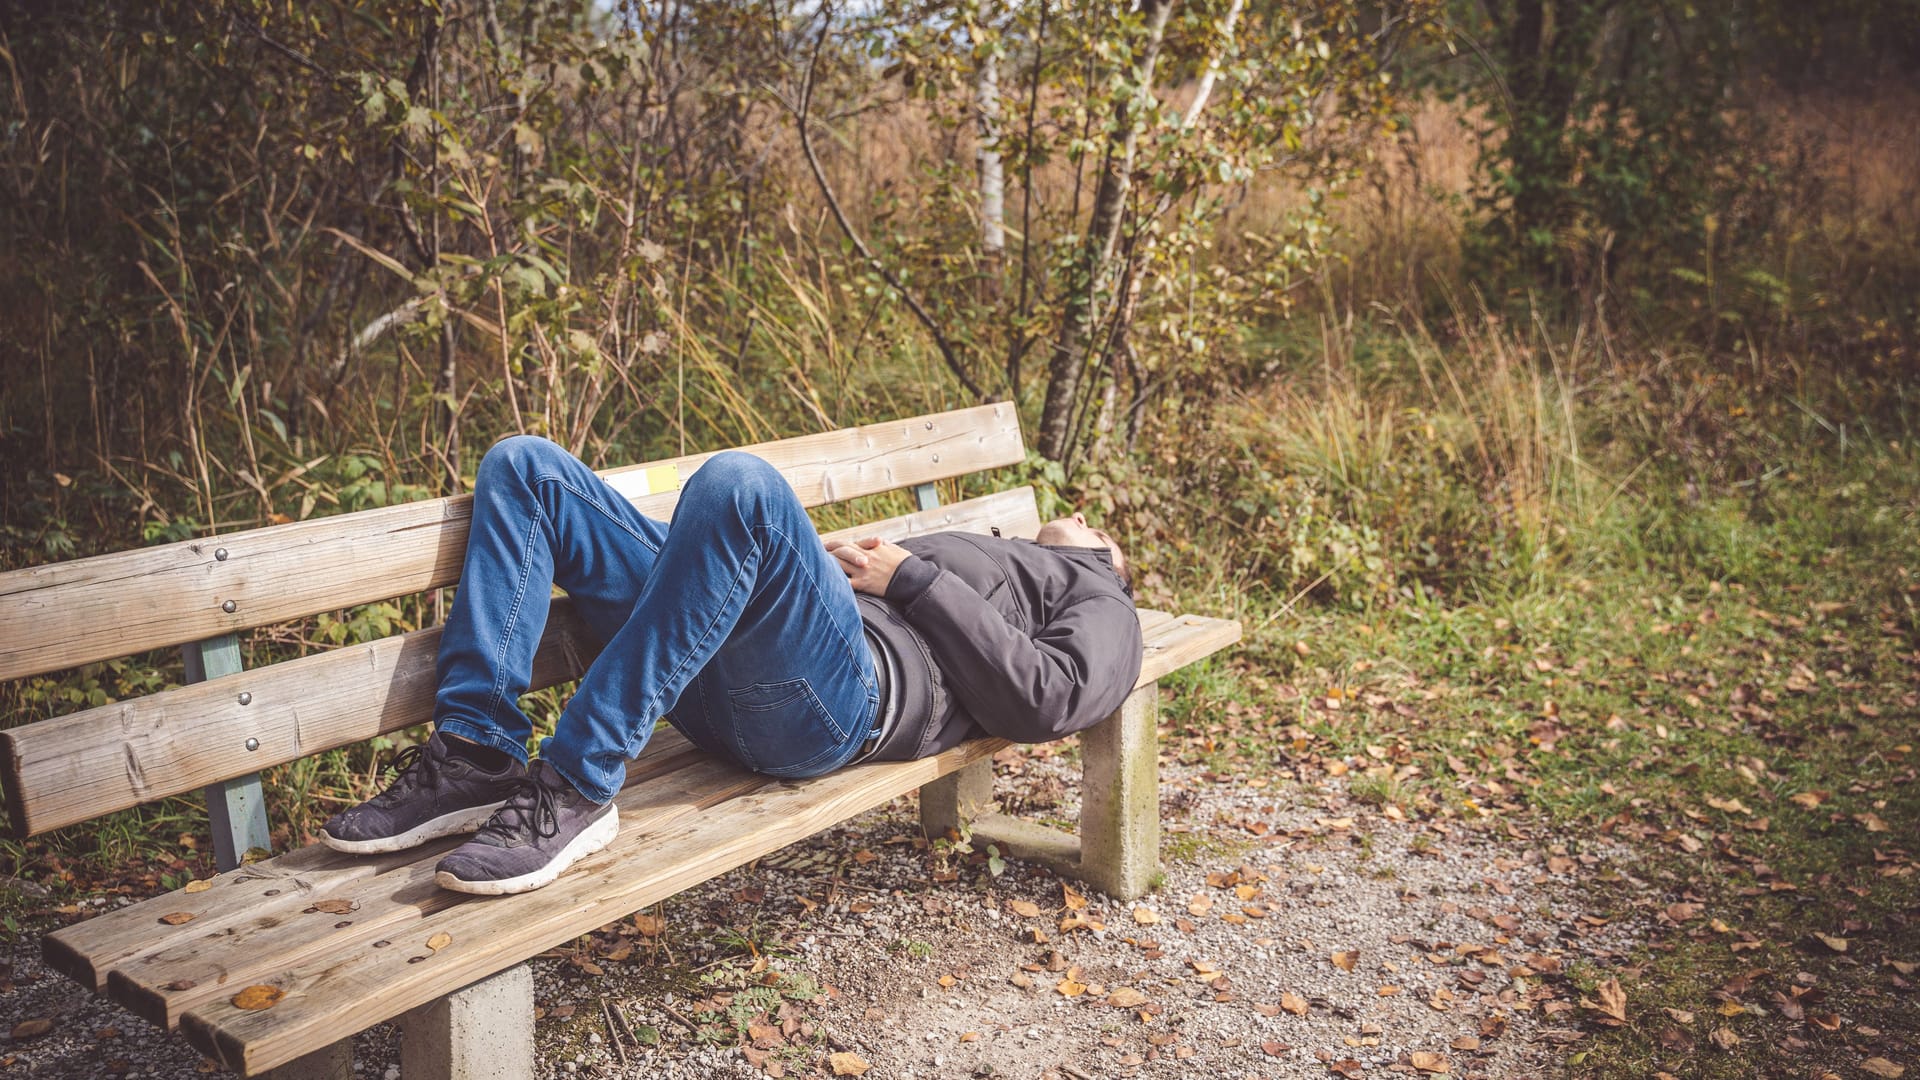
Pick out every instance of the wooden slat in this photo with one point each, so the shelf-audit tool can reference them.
(89, 951)
(337, 994)
(76, 612)
(1182, 640)
(73, 768)
(387, 907)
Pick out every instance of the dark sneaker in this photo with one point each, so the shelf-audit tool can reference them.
(436, 794)
(544, 828)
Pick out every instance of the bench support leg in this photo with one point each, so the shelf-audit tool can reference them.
(484, 1032)
(1120, 804)
(236, 809)
(956, 799)
(333, 1063)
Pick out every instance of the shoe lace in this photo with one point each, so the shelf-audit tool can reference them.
(540, 813)
(410, 766)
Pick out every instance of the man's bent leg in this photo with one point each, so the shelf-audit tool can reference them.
(744, 611)
(540, 517)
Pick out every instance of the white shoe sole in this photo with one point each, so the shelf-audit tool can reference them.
(591, 839)
(460, 821)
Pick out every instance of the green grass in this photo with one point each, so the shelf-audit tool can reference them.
(1671, 682)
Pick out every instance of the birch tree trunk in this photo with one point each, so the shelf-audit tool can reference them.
(993, 184)
(1066, 368)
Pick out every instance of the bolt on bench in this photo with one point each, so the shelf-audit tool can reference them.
(351, 941)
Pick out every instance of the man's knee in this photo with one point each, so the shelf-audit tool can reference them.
(517, 456)
(736, 477)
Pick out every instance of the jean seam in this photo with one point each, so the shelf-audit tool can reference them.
(512, 620)
(653, 706)
(813, 582)
(584, 496)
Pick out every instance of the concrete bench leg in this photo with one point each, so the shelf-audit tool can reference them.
(1120, 805)
(333, 1063)
(956, 799)
(484, 1032)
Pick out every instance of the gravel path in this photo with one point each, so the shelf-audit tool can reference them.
(1296, 934)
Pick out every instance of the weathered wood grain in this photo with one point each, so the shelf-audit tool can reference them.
(73, 768)
(89, 951)
(75, 612)
(390, 906)
(339, 992)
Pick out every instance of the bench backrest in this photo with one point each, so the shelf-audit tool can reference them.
(69, 769)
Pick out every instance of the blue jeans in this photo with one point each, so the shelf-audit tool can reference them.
(732, 622)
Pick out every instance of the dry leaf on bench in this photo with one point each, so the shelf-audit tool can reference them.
(439, 941)
(258, 997)
(847, 1063)
(198, 886)
(178, 918)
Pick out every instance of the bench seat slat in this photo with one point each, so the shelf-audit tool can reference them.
(390, 906)
(64, 614)
(90, 951)
(73, 768)
(337, 994)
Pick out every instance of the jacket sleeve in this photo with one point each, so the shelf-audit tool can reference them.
(1028, 687)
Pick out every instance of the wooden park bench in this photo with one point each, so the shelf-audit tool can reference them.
(351, 941)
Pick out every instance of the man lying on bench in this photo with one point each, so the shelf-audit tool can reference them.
(736, 625)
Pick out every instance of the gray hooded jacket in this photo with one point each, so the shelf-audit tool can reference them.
(988, 636)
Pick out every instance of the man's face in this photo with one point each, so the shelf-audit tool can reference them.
(1075, 532)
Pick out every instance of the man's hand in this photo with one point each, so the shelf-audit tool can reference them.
(869, 562)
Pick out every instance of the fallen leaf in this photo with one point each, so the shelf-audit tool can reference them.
(1348, 1068)
(1070, 987)
(1613, 1000)
(649, 925)
(177, 918)
(1429, 1062)
(1145, 916)
(1274, 1049)
(1724, 1038)
(1126, 998)
(1073, 900)
(258, 997)
(1871, 822)
(1881, 1067)
(1266, 1010)
(439, 941)
(1465, 1042)
(1810, 799)
(1293, 1003)
(27, 1029)
(847, 1063)
(198, 886)
(1824, 1021)
(1026, 909)
(1837, 944)
(969, 1036)
(1346, 960)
